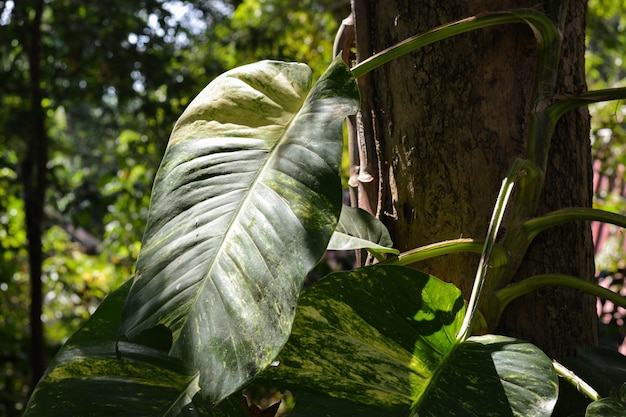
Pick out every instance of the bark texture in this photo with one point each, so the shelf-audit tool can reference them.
(560, 319)
(440, 128)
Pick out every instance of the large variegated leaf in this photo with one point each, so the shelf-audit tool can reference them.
(357, 229)
(380, 342)
(243, 205)
(91, 377)
(493, 376)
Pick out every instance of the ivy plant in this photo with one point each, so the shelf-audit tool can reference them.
(246, 201)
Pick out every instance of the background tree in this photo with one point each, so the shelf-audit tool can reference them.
(437, 160)
(114, 76)
(169, 303)
(73, 78)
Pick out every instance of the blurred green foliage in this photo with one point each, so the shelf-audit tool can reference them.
(116, 76)
(605, 60)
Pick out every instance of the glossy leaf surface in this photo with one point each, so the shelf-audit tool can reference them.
(357, 229)
(90, 377)
(243, 206)
(493, 376)
(606, 407)
(380, 341)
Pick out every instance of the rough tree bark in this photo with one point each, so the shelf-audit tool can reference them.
(441, 128)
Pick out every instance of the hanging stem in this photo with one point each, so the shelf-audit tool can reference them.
(576, 381)
(566, 103)
(503, 297)
(534, 226)
(543, 27)
(447, 247)
(483, 266)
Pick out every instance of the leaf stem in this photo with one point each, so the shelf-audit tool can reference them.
(534, 226)
(576, 381)
(566, 103)
(447, 247)
(539, 23)
(484, 264)
(504, 296)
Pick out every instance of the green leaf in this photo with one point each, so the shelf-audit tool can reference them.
(357, 229)
(89, 376)
(380, 341)
(493, 376)
(606, 407)
(243, 206)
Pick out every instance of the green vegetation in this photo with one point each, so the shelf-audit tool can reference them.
(115, 76)
(606, 34)
(102, 105)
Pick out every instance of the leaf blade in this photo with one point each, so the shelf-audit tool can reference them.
(92, 375)
(251, 173)
(381, 340)
(357, 229)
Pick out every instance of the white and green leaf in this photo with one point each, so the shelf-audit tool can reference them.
(244, 204)
(93, 375)
(357, 229)
(380, 341)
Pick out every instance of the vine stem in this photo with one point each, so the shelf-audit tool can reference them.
(534, 226)
(483, 266)
(541, 25)
(576, 381)
(513, 291)
(436, 249)
(447, 247)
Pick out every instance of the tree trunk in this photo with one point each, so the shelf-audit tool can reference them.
(440, 128)
(34, 182)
